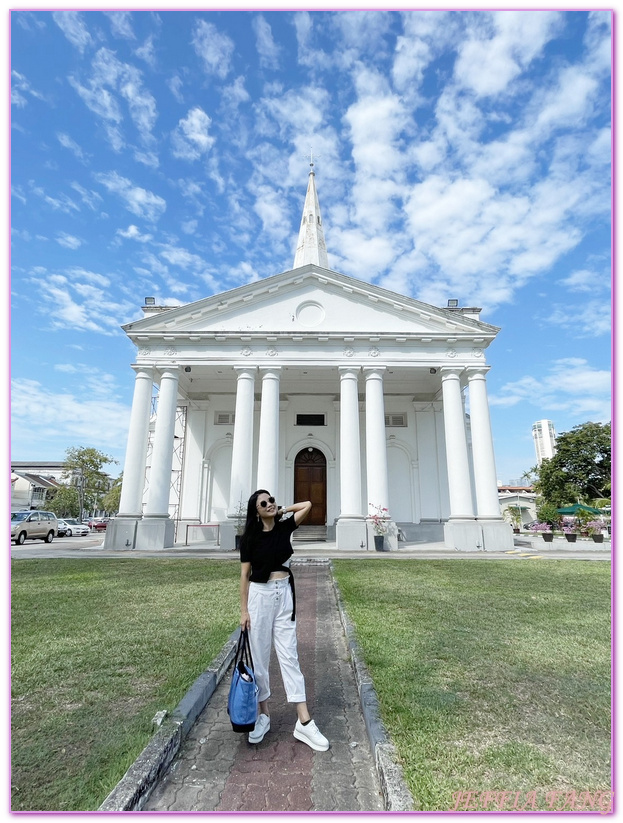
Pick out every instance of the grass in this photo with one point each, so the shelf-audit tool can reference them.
(98, 647)
(490, 675)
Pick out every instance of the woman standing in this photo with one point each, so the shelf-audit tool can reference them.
(267, 609)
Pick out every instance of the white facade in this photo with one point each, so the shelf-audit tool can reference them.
(544, 438)
(313, 385)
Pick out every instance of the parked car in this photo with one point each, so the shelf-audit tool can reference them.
(100, 525)
(76, 529)
(35, 525)
(62, 527)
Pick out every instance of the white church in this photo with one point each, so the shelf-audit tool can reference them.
(315, 386)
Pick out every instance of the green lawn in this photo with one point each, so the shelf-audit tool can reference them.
(98, 647)
(491, 675)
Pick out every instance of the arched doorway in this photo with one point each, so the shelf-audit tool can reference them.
(310, 483)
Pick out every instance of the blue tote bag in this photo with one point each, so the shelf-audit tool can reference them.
(243, 691)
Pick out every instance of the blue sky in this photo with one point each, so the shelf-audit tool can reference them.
(458, 155)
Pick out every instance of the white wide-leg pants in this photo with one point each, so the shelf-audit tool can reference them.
(270, 610)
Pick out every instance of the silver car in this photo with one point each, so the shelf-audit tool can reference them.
(75, 528)
(33, 526)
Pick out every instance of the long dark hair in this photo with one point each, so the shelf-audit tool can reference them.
(253, 525)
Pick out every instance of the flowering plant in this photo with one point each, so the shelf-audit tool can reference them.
(594, 526)
(379, 518)
(541, 527)
(568, 525)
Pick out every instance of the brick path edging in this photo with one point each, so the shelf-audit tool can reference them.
(133, 790)
(396, 795)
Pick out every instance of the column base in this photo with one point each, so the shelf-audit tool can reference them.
(497, 536)
(351, 534)
(153, 533)
(463, 535)
(121, 534)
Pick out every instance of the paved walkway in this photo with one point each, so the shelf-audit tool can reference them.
(218, 770)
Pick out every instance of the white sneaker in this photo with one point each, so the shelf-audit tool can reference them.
(309, 734)
(262, 725)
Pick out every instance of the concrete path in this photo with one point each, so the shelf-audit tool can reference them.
(218, 770)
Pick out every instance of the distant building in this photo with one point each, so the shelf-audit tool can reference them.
(30, 483)
(522, 497)
(544, 437)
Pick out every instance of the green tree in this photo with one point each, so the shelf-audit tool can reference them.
(64, 502)
(83, 466)
(110, 501)
(581, 468)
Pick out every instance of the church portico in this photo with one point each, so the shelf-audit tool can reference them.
(312, 383)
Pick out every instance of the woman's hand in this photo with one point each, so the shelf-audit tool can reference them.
(245, 621)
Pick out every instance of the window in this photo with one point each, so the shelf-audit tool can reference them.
(310, 420)
(396, 420)
(224, 418)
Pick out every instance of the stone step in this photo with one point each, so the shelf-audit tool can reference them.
(310, 534)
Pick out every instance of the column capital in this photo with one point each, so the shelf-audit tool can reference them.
(451, 371)
(346, 371)
(477, 371)
(242, 370)
(371, 371)
(265, 370)
(148, 370)
(169, 372)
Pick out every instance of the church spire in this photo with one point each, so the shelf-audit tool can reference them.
(311, 247)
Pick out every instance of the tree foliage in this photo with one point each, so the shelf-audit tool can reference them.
(581, 468)
(110, 501)
(83, 465)
(64, 502)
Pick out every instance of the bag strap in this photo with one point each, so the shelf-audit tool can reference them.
(243, 650)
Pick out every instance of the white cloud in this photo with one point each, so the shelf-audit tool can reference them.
(191, 137)
(147, 52)
(267, 49)
(571, 386)
(40, 415)
(133, 233)
(497, 53)
(67, 142)
(68, 241)
(91, 198)
(80, 300)
(589, 319)
(121, 24)
(137, 200)
(214, 48)
(585, 280)
(175, 84)
(20, 87)
(74, 28)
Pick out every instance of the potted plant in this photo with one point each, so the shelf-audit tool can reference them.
(513, 515)
(595, 530)
(569, 529)
(545, 530)
(379, 519)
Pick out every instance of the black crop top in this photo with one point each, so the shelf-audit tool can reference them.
(268, 551)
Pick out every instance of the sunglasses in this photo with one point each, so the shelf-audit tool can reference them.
(264, 503)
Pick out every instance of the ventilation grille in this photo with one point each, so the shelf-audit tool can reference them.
(396, 420)
(224, 418)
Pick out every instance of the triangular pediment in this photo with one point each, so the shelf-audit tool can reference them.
(309, 300)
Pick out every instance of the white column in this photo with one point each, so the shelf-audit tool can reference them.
(376, 444)
(242, 448)
(485, 475)
(461, 504)
(268, 449)
(350, 451)
(131, 502)
(162, 456)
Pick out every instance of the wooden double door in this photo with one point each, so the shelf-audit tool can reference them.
(310, 483)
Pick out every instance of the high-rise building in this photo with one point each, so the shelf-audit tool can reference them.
(544, 437)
